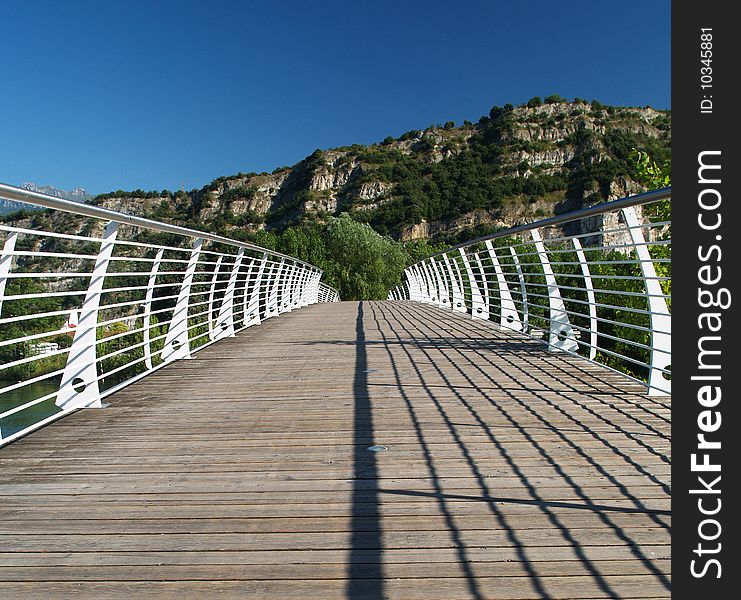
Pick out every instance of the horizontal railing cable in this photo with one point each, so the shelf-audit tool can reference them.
(595, 282)
(83, 315)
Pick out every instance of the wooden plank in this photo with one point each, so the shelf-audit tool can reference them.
(511, 472)
(504, 588)
(282, 572)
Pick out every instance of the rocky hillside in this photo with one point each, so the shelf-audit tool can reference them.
(517, 164)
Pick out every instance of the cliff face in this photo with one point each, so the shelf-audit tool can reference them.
(516, 165)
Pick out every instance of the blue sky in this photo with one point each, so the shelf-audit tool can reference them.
(161, 94)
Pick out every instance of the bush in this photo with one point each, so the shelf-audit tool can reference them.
(554, 99)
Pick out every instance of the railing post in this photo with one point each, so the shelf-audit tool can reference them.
(225, 321)
(590, 297)
(271, 307)
(285, 290)
(290, 286)
(477, 302)
(297, 281)
(177, 340)
(314, 288)
(459, 302)
(211, 297)
(561, 333)
(414, 285)
(485, 287)
(661, 322)
(310, 288)
(431, 286)
(508, 317)
(79, 386)
(306, 296)
(5, 261)
(523, 289)
(301, 286)
(147, 319)
(424, 290)
(280, 278)
(411, 283)
(252, 308)
(250, 268)
(442, 288)
(296, 287)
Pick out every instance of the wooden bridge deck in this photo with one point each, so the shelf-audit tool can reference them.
(510, 472)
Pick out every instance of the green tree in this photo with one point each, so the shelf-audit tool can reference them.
(362, 263)
(554, 99)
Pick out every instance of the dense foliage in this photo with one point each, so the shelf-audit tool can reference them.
(358, 261)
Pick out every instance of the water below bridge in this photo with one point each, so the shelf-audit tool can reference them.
(507, 471)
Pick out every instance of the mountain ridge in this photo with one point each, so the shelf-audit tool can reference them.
(447, 182)
(517, 164)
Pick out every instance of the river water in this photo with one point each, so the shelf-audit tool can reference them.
(24, 418)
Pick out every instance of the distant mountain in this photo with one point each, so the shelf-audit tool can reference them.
(76, 195)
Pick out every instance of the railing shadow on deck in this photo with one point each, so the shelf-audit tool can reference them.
(458, 351)
(365, 576)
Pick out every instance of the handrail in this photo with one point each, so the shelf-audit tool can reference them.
(539, 279)
(85, 313)
(583, 213)
(10, 192)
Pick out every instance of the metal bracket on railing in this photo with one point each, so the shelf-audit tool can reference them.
(590, 297)
(79, 386)
(6, 260)
(561, 333)
(177, 341)
(508, 317)
(147, 318)
(661, 322)
(478, 308)
(459, 302)
(225, 321)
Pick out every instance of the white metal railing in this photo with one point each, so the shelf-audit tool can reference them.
(327, 294)
(595, 282)
(114, 297)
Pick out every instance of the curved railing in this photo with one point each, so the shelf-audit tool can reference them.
(92, 300)
(595, 282)
(327, 293)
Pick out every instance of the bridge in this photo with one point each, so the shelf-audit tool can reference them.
(186, 415)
